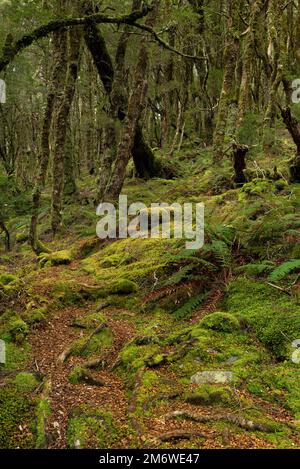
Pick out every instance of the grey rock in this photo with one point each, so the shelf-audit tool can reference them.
(212, 377)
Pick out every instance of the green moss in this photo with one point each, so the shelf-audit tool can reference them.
(91, 428)
(56, 258)
(8, 279)
(96, 345)
(207, 395)
(17, 356)
(25, 382)
(36, 316)
(91, 321)
(18, 329)
(66, 293)
(123, 287)
(272, 315)
(221, 322)
(43, 412)
(76, 375)
(15, 411)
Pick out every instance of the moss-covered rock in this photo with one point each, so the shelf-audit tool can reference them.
(208, 395)
(221, 322)
(123, 287)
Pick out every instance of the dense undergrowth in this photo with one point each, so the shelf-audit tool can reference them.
(250, 261)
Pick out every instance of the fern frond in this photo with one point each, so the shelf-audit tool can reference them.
(284, 269)
(187, 309)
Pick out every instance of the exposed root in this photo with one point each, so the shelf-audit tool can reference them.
(178, 435)
(234, 419)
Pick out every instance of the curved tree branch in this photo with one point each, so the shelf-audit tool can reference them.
(11, 50)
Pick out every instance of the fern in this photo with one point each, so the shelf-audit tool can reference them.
(187, 309)
(221, 252)
(253, 269)
(284, 269)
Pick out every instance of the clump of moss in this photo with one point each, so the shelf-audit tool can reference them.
(15, 411)
(18, 329)
(207, 395)
(123, 287)
(66, 293)
(25, 382)
(90, 321)
(221, 322)
(55, 258)
(8, 279)
(270, 314)
(91, 428)
(43, 412)
(37, 315)
(87, 347)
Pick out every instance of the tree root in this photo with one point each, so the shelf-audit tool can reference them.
(178, 435)
(63, 357)
(95, 332)
(234, 419)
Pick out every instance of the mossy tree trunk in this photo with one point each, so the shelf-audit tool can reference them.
(248, 62)
(228, 94)
(135, 107)
(60, 125)
(59, 48)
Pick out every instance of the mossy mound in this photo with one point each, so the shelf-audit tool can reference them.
(123, 287)
(272, 315)
(8, 279)
(55, 258)
(93, 346)
(221, 322)
(25, 382)
(207, 395)
(16, 412)
(91, 428)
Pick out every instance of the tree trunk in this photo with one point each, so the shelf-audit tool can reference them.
(56, 79)
(228, 92)
(60, 128)
(135, 107)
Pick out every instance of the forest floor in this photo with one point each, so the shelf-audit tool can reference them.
(140, 344)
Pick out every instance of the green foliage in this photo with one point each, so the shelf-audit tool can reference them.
(188, 308)
(255, 269)
(284, 270)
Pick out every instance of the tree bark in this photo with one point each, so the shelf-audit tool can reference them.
(135, 107)
(60, 127)
(56, 79)
(227, 97)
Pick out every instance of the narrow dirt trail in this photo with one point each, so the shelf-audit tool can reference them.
(47, 344)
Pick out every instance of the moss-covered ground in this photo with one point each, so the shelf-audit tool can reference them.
(102, 339)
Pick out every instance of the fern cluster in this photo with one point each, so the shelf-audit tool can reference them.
(284, 270)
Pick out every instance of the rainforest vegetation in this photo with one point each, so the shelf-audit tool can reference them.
(143, 343)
